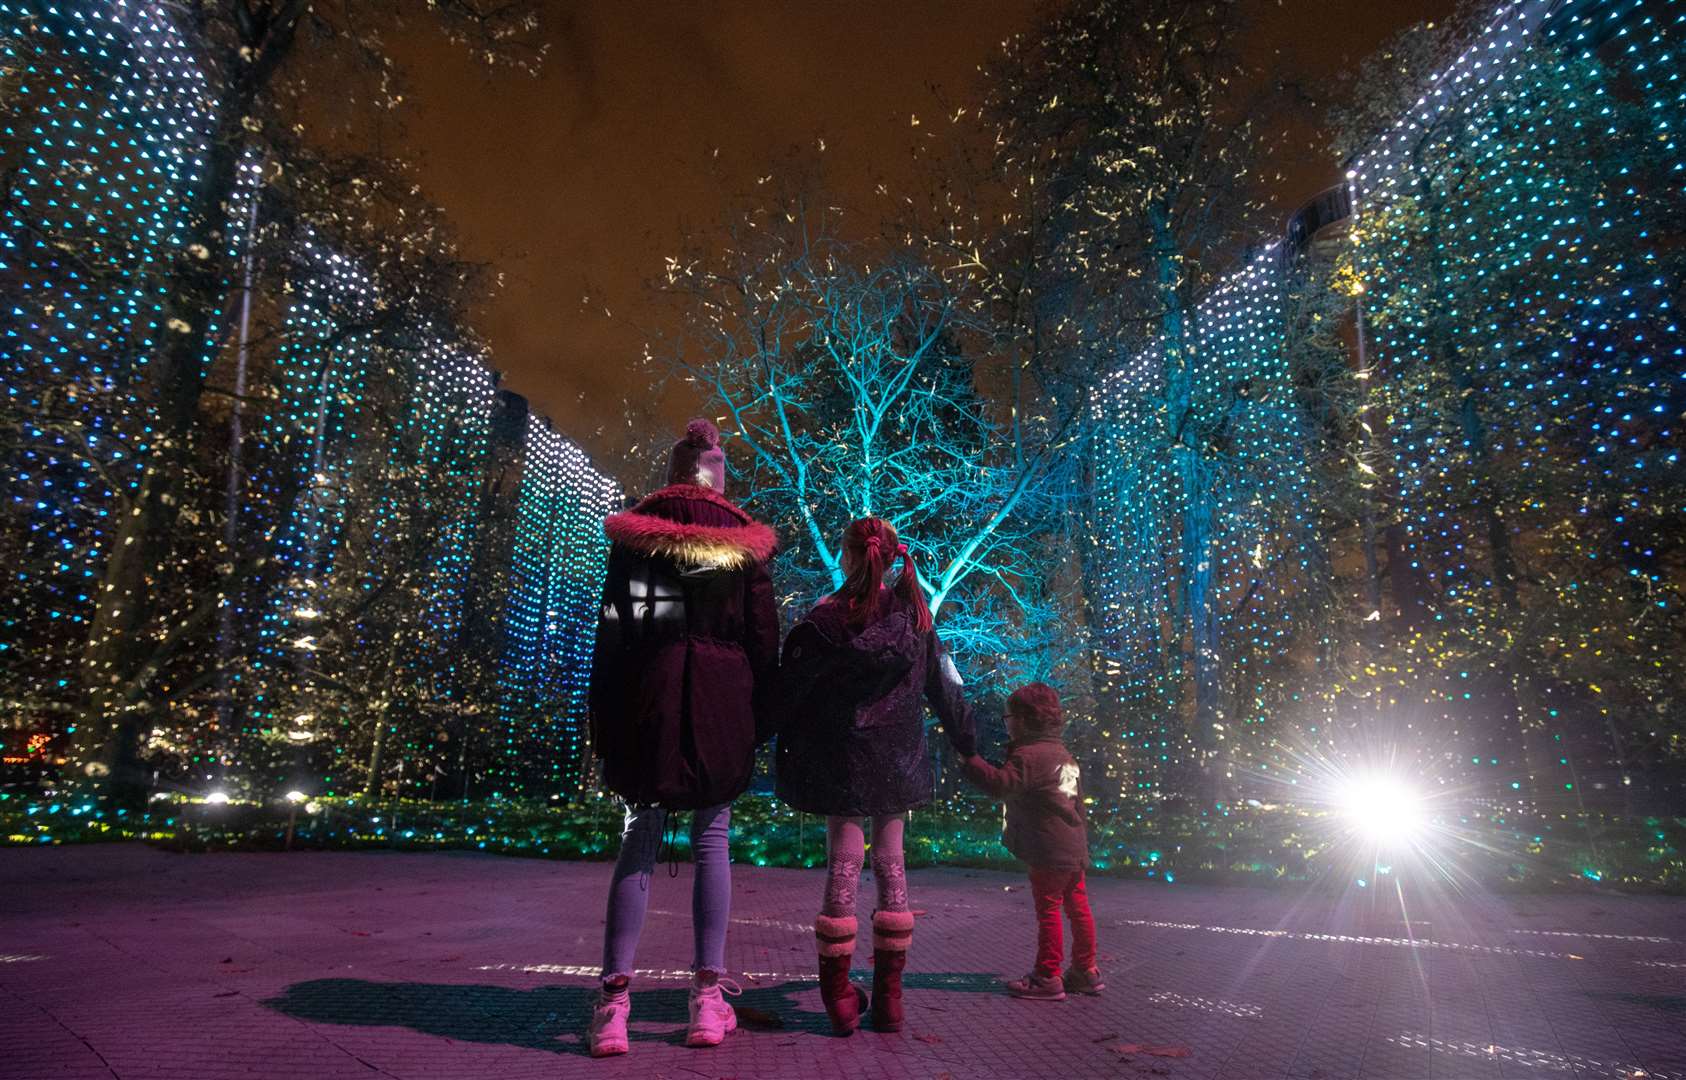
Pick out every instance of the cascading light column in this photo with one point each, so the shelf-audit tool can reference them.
(550, 621)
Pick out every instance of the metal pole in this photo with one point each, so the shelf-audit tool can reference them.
(232, 491)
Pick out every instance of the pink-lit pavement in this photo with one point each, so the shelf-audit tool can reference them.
(130, 962)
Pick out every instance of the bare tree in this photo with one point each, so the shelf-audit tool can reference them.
(854, 376)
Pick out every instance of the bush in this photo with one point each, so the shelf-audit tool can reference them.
(1498, 848)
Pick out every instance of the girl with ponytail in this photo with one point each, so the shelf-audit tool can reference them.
(870, 545)
(854, 682)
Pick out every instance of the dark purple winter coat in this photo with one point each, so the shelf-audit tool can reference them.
(851, 712)
(687, 648)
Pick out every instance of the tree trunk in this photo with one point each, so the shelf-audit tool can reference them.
(126, 601)
(383, 712)
(1195, 577)
(1514, 691)
(1202, 621)
(376, 752)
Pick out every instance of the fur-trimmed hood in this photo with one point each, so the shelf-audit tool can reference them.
(652, 528)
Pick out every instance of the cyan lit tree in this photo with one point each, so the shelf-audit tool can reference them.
(856, 379)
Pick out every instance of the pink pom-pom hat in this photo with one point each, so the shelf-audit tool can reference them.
(697, 458)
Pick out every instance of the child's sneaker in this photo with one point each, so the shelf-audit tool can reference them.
(712, 1019)
(1083, 982)
(1037, 988)
(607, 1034)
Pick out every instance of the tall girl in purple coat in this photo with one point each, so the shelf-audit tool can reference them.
(687, 646)
(856, 676)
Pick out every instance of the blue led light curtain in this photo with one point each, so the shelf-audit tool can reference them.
(559, 556)
(1513, 273)
(1517, 235)
(103, 131)
(381, 632)
(1236, 550)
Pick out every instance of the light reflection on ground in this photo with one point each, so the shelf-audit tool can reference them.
(1532, 1059)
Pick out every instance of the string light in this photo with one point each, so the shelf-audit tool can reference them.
(1512, 237)
(559, 557)
(1513, 242)
(1511, 245)
(106, 125)
(1255, 544)
(370, 638)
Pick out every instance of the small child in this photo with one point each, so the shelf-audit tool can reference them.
(1045, 829)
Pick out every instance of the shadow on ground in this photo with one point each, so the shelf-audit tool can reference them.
(552, 1017)
(1666, 1003)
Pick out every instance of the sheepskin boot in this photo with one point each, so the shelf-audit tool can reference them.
(835, 937)
(892, 931)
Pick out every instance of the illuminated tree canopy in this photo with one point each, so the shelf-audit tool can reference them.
(857, 380)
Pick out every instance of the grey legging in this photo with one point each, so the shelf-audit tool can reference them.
(711, 889)
(845, 846)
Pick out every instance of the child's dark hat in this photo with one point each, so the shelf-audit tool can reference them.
(1039, 705)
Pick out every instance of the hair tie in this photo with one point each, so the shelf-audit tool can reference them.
(901, 549)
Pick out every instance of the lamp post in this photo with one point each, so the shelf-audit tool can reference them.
(294, 799)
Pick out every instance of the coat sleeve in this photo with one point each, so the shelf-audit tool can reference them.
(943, 690)
(603, 697)
(1009, 778)
(799, 672)
(761, 645)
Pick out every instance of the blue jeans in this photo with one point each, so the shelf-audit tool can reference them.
(711, 888)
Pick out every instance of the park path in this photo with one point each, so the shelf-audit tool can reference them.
(125, 961)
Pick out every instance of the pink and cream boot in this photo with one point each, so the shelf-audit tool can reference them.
(834, 935)
(892, 932)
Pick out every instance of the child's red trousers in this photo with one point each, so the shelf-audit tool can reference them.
(1051, 890)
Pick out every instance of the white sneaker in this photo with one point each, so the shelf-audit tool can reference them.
(712, 1019)
(607, 1034)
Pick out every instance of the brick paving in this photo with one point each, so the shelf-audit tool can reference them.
(123, 961)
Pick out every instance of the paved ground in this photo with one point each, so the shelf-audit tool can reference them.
(124, 961)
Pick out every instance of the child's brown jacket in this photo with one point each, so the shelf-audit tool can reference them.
(1038, 781)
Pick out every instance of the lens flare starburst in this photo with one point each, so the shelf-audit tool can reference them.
(1382, 810)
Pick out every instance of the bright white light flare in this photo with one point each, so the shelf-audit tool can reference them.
(1382, 809)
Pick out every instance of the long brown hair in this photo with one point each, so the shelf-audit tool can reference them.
(870, 547)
